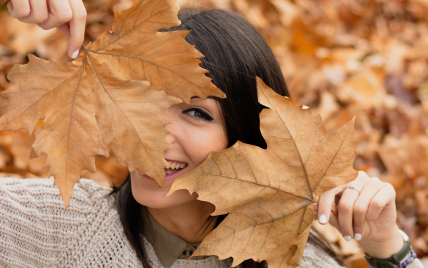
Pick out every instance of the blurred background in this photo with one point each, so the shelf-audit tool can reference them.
(342, 58)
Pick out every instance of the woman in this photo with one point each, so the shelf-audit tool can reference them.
(162, 231)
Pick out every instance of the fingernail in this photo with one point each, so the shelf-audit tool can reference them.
(347, 238)
(357, 236)
(322, 219)
(75, 54)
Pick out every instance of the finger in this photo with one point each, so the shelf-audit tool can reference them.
(64, 28)
(346, 207)
(333, 218)
(60, 13)
(361, 205)
(325, 202)
(77, 27)
(378, 203)
(38, 12)
(19, 9)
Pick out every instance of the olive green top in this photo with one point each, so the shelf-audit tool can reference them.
(168, 247)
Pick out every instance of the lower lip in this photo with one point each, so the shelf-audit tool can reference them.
(170, 177)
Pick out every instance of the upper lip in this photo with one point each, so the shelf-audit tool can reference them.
(180, 162)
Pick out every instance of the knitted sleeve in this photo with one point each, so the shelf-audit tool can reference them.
(36, 230)
(315, 257)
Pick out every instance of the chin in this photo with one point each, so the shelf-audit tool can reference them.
(155, 197)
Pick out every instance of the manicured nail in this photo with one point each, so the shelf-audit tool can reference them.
(347, 238)
(357, 236)
(322, 219)
(75, 54)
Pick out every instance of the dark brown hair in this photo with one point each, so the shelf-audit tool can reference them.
(235, 53)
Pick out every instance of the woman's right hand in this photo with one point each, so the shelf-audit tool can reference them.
(69, 16)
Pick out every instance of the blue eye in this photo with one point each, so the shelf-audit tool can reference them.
(198, 114)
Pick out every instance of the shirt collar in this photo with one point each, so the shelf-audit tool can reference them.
(167, 246)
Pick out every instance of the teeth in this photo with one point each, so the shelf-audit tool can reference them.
(173, 165)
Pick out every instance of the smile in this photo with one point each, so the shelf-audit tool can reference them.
(175, 165)
(173, 169)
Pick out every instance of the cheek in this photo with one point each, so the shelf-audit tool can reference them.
(199, 144)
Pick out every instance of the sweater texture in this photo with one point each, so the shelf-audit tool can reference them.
(36, 230)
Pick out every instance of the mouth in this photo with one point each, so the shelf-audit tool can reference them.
(174, 167)
(173, 170)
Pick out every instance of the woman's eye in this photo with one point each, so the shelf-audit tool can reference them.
(198, 113)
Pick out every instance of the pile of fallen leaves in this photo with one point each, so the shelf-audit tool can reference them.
(342, 58)
(363, 58)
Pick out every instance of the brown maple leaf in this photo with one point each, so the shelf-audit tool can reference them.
(269, 194)
(95, 105)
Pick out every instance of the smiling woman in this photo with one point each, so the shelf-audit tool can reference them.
(235, 53)
(196, 129)
(138, 224)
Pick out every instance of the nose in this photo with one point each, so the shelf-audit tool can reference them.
(169, 137)
(169, 127)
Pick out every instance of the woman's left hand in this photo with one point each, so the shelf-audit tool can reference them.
(368, 214)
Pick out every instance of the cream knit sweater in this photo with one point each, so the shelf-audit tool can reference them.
(36, 231)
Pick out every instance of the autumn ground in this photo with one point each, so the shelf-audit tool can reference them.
(342, 58)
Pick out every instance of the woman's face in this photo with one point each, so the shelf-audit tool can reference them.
(196, 129)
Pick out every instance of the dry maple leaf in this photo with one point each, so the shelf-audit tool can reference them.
(269, 194)
(95, 105)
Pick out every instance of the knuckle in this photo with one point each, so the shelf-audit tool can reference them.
(44, 26)
(371, 217)
(360, 210)
(22, 12)
(344, 206)
(376, 204)
(362, 174)
(41, 18)
(81, 14)
(65, 15)
(375, 179)
(390, 188)
(80, 17)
